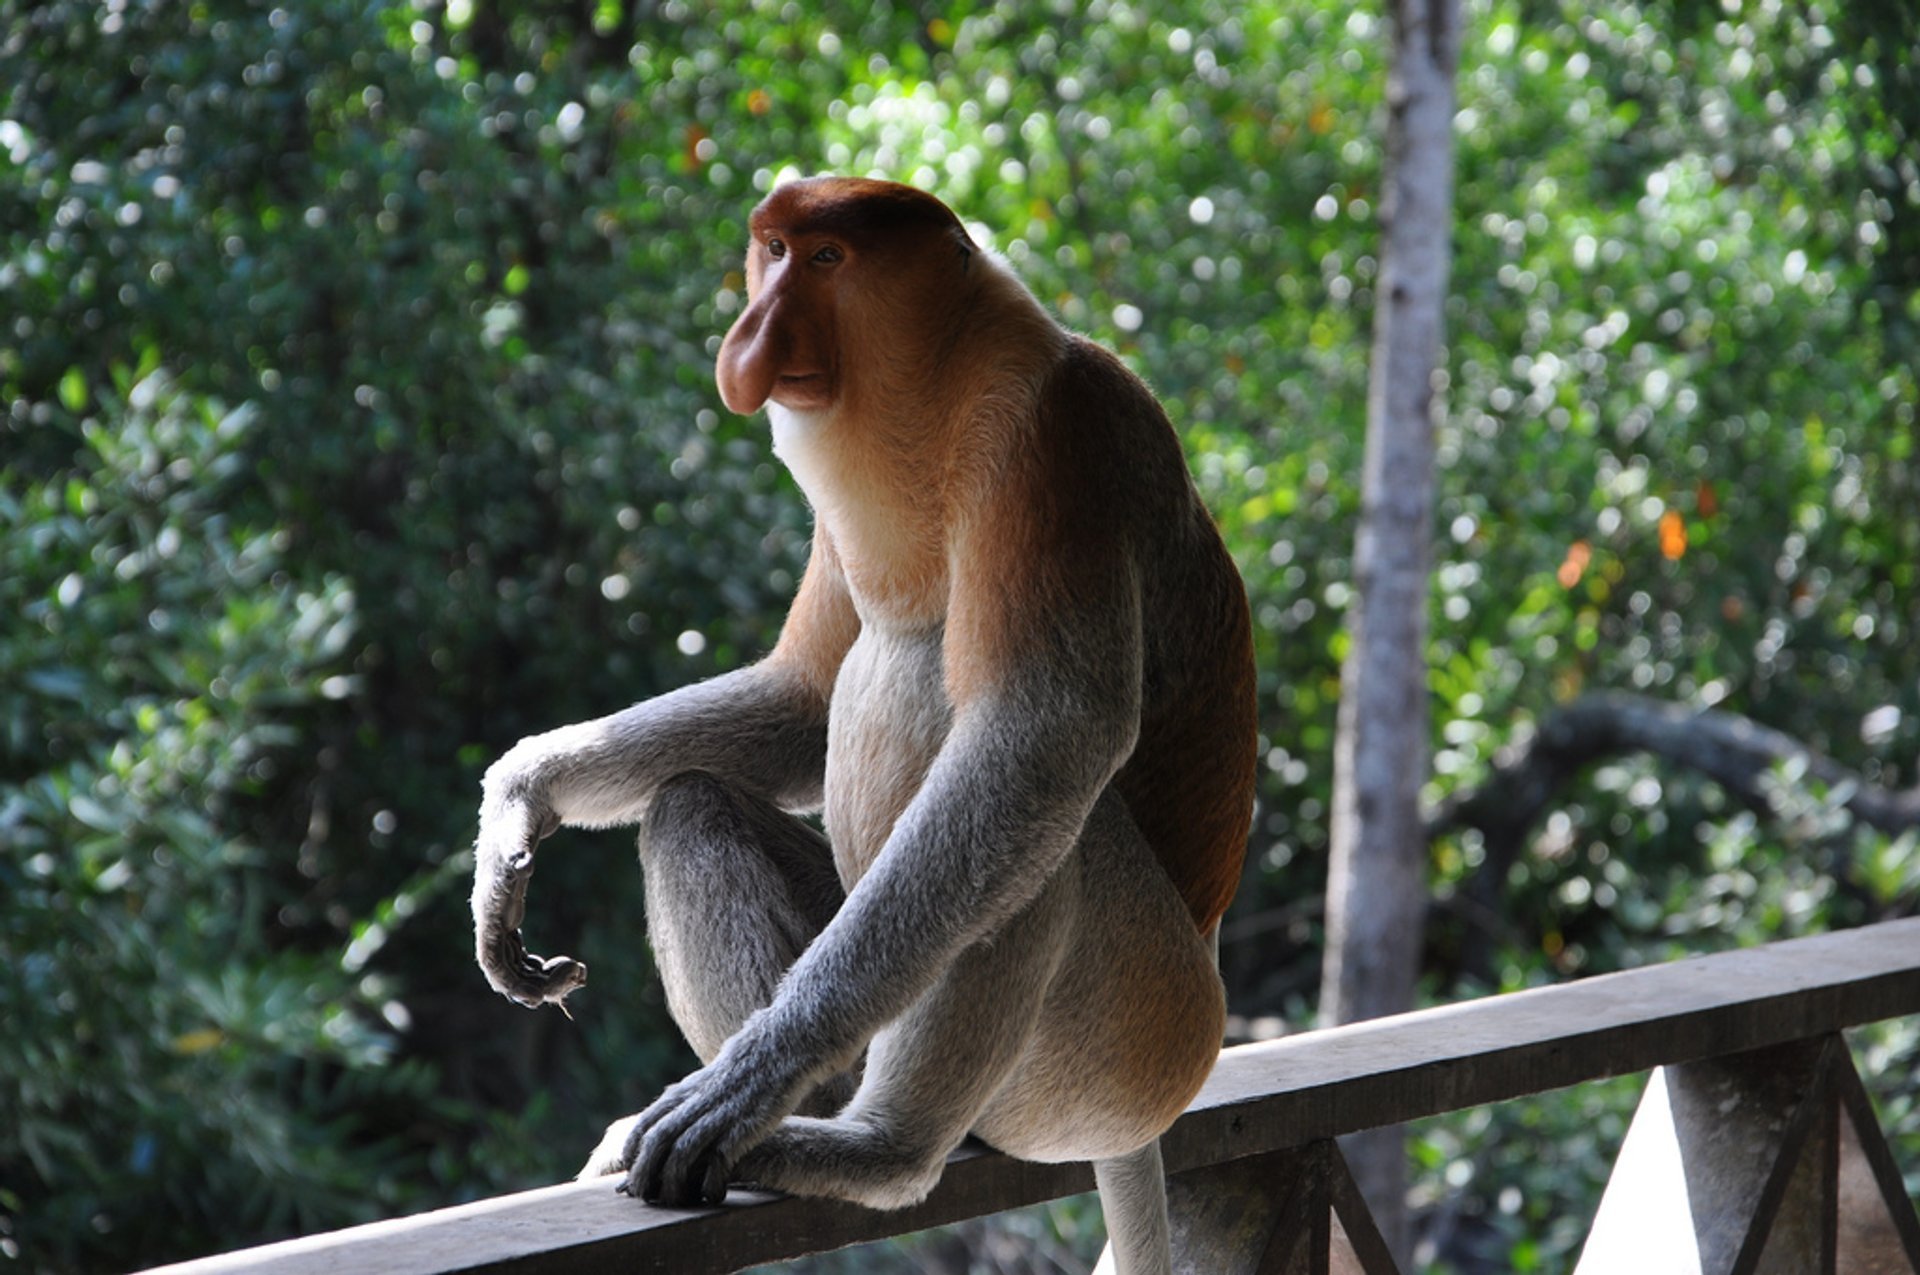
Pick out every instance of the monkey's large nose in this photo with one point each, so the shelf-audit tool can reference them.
(749, 361)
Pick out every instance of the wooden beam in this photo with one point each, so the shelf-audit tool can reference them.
(1878, 1232)
(1322, 1084)
(1767, 1163)
(1262, 1097)
(587, 1226)
(1248, 1217)
(1294, 1212)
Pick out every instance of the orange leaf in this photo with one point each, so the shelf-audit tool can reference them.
(1673, 535)
(1579, 554)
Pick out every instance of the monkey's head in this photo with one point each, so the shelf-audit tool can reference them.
(840, 270)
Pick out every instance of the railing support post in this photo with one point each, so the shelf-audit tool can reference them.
(1761, 1163)
(1291, 1212)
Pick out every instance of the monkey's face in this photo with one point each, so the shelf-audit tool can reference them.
(784, 347)
(830, 262)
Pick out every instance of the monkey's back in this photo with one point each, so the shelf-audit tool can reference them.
(1189, 782)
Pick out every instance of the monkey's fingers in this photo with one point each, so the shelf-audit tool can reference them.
(532, 980)
(714, 1174)
(646, 1154)
(655, 1143)
(696, 1169)
(708, 1189)
(682, 1149)
(501, 875)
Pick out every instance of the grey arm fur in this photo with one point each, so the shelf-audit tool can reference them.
(755, 727)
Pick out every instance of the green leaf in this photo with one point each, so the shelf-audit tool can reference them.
(73, 390)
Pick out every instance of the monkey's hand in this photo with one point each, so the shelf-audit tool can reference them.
(502, 866)
(682, 1150)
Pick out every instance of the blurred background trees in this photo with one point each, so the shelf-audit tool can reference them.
(355, 370)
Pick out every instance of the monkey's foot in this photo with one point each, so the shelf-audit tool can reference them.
(862, 1161)
(611, 1155)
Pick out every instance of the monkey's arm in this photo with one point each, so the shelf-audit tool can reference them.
(754, 727)
(757, 726)
(763, 728)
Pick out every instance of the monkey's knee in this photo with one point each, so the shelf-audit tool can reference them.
(705, 835)
(700, 812)
(696, 849)
(688, 809)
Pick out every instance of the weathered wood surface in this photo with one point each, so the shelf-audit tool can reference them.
(586, 1226)
(1322, 1084)
(1261, 1098)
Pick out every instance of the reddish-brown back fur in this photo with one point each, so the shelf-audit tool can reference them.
(1104, 447)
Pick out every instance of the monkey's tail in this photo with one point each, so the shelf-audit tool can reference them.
(1133, 1195)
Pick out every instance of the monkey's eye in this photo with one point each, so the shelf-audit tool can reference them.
(776, 248)
(827, 255)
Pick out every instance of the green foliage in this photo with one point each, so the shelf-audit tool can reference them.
(1663, 312)
(169, 1067)
(457, 273)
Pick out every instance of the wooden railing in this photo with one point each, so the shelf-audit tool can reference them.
(1755, 1148)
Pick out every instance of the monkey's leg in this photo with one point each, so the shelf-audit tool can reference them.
(1128, 1035)
(735, 890)
(1132, 1025)
(929, 1074)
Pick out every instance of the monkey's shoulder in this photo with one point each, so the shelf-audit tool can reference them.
(1089, 380)
(1102, 459)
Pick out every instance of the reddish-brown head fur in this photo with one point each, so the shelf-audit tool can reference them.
(812, 258)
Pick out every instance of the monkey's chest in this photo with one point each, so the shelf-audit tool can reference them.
(888, 720)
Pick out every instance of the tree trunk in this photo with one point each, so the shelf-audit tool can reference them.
(1377, 894)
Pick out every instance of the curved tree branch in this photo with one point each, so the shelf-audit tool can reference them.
(1735, 752)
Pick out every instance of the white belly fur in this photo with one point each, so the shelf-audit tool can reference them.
(890, 717)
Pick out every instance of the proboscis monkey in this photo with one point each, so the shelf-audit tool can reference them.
(1017, 681)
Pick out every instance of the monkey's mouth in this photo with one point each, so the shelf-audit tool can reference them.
(806, 389)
